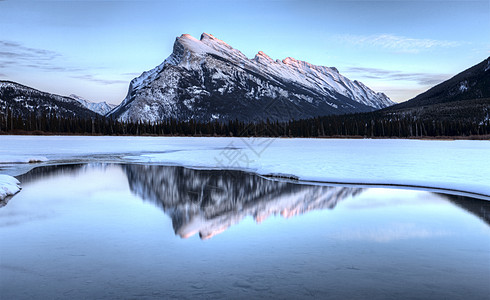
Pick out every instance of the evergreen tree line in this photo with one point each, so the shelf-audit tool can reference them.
(355, 125)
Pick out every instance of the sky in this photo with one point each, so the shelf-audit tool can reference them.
(94, 48)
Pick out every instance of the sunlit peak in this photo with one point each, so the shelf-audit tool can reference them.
(261, 54)
(205, 35)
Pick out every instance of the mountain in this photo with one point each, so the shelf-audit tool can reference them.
(207, 79)
(102, 108)
(458, 107)
(24, 101)
(465, 96)
(473, 83)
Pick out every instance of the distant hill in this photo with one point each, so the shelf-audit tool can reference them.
(102, 108)
(471, 110)
(471, 84)
(464, 97)
(23, 101)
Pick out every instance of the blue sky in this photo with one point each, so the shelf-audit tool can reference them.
(94, 48)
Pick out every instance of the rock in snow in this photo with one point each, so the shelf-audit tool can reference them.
(8, 186)
(207, 79)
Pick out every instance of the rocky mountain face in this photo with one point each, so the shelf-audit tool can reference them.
(102, 108)
(207, 80)
(24, 101)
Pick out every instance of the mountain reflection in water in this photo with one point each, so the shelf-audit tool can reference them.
(210, 201)
(101, 231)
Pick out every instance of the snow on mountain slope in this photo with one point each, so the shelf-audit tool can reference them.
(208, 79)
(102, 108)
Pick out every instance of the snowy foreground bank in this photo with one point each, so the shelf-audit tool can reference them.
(9, 186)
(455, 165)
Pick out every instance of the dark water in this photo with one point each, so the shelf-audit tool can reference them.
(143, 232)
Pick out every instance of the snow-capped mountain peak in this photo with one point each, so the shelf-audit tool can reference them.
(214, 42)
(192, 44)
(102, 108)
(206, 78)
(264, 57)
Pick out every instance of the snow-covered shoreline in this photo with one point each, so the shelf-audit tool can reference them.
(9, 186)
(452, 165)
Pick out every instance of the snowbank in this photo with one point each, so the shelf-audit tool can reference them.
(8, 186)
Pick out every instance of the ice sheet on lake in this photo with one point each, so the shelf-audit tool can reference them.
(459, 165)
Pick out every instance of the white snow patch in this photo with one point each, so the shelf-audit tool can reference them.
(102, 108)
(463, 86)
(8, 186)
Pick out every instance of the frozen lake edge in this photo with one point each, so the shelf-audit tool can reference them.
(460, 165)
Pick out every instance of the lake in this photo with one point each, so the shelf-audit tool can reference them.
(147, 231)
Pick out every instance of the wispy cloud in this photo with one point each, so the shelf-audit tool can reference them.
(15, 51)
(92, 78)
(397, 43)
(5, 63)
(15, 55)
(53, 68)
(390, 75)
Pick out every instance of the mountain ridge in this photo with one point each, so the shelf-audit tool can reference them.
(470, 84)
(102, 108)
(23, 101)
(464, 97)
(202, 80)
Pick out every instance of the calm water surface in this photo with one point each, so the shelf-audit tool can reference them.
(136, 231)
